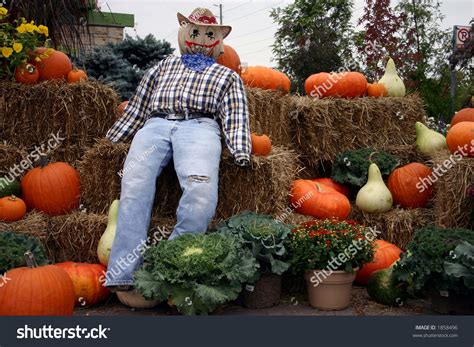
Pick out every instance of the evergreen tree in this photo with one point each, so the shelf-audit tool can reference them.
(122, 65)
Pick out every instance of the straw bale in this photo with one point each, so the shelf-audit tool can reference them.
(9, 156)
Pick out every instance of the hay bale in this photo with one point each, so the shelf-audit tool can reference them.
(10, 156)
(262, 188)
(270, 113)
(397, 225)
(325, 127)
(453, 208)
(75, 237)
(79, 112)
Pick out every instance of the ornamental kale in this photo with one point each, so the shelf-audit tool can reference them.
(352, 167)
(13, 247)
(199, 271)
(264, 236)
(461, 264)
(425, 266)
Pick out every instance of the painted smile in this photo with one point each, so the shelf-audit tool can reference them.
(200, 48)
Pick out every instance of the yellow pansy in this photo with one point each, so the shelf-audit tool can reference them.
(3, 11)
(21, 29)
(7, 51)
(43, 30)
(30, 27)
(17, 47)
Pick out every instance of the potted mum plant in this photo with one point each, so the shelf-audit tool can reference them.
(198, 271)
(328, 252)
(440, 263)
(265, 238)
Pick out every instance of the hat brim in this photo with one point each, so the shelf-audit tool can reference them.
(183, 20)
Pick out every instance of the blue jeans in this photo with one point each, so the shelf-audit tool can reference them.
(195, 146)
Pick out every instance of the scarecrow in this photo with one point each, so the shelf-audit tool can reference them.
(178, 112)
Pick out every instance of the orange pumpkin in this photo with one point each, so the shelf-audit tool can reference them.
(464, 115)
(461, 136)
(317, 200)
(88, 282)
(376, 90)
(344, 84)
(261, 144)
(12, 208)
(407, 186)
(230, 59)
(332, 184)
(37, 291)
(56, 65)
(26, 74)
(386, 254)
(51, 188)
(121, 108)
(76, 75)
(265, 78)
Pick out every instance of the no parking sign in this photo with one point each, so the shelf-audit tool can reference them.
(462, 34)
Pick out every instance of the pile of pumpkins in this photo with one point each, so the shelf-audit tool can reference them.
(48, 64)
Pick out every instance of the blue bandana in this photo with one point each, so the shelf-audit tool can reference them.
(197, 62)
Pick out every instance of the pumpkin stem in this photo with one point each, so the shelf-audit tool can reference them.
(43, 161)
(12, 198)
(371, 155)
(318, 186)
(30, 260)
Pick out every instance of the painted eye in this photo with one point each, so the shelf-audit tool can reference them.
(195, 33)
(210, 34)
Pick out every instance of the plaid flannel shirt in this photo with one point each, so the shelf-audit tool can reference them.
(170, 87)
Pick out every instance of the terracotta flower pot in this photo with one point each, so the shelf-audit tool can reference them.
(264, 293)
(332, 292)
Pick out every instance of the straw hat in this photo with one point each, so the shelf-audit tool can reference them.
(203, 16)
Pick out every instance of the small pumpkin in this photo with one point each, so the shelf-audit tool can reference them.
(26, 73)
(265, 78)
(334, 185)
(385, 255)
(317, 200)
(135, 300)
(407, 186)
(464, 115)
(37, 291)
(376, 90)
(121, 108)
(12, 208)
(52, 188)
(76, 75)
(461, 136)
(344, 85)
(230, 59)
(261, 144)
(88, 282)
(53, 65)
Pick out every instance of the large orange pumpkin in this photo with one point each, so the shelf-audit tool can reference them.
(332, 184)
(261, 144)
(56, 65)
(410, 185)
(26, 74)
(37, 291)
(376, 90)
(464, 115)
(230, 59)
(386, 254)
(265, 78)
(12, 209)
(51, 188)
(76, 75)
(88, 282)
(344, 84)
(317, 200)
(461, 136)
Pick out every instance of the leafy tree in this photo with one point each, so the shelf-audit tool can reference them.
(123, 64)
(313, 36)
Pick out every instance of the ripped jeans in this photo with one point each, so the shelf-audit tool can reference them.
(195, 147)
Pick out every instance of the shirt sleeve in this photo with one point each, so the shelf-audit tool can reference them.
(234, 115)
(134, 115)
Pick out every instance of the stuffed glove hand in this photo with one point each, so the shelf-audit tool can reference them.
(242, 162)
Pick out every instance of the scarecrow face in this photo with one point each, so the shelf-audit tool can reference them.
(207, 40)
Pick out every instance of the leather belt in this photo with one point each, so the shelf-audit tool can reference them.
(181, 116)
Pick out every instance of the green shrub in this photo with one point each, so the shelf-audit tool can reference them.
(13, 247)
